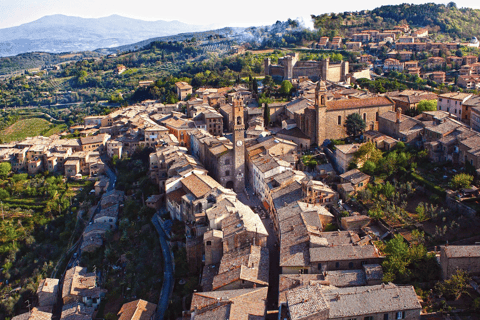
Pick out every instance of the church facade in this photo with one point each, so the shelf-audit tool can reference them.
(326, 119)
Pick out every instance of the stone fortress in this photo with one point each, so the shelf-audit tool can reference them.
(290, 67)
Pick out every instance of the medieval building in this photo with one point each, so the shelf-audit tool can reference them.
(325, 119)
(289, 67)
(238, 146)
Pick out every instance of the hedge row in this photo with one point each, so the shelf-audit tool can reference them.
(429, 185)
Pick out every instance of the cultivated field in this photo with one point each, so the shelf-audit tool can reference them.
(30, 128)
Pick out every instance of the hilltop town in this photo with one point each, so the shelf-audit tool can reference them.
(306, 191)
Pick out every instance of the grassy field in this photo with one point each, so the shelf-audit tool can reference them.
(30, 128)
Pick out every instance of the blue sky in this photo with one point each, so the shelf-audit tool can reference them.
(219, 12)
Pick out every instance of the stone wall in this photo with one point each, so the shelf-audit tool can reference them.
(336, 125)
(450, 265)
(409, 314)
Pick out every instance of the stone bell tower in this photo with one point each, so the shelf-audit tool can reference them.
(238, 146)
(321, 112)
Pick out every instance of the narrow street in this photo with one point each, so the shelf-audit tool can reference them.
(274, 255)
(169, 273)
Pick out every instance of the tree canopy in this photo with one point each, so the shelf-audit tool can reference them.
(354, 124)
(460, 181)
(5, 168)
(266, 115)
(427, 105)
(286, 87)
(405, 263)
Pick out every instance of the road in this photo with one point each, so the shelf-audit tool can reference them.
(111, 175)
(168, 274)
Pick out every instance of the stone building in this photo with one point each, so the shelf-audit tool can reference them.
(212, 241)
(242, 304)
(78, 285)
(379, 302)
(330, 116)
(137, 310)
(242, 269)
(183, 89)
(34, 314)
(400, 126)
(290, 67)
(466, 258)
(217, 155)
(47, 293)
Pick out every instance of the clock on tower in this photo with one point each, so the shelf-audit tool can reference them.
(238, 146)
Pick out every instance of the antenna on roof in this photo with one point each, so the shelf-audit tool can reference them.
(28, 306)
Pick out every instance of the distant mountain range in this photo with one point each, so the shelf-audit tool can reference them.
(60, 33)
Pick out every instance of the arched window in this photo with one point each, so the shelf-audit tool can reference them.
(239, 120)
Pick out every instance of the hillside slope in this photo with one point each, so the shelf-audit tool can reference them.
(461, 24)
(60, 33)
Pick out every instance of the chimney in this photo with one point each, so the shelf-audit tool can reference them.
(399, 115)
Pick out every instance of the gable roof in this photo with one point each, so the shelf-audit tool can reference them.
(242, 304)
(137, 310)
(359, 103)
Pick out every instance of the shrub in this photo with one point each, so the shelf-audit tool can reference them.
(460, 181)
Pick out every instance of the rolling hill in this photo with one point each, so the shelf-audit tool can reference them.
(60, 33)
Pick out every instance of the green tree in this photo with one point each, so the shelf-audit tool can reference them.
(255, 86)
(452, 288)
(4, 194)
(368, 152)
(427, 105)
(354, 124)
(388, 190)
(5, 168)
(266, 115)
(369, 167)
(460, 181)
(286, 87)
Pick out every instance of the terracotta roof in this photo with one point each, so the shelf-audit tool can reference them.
(77, 311)
(196, 185)
(137, 310)
(35, 314)
(242, 304)
(359, 103)
(93, 139)
(354, 176)
(306, 302)
(343, 252)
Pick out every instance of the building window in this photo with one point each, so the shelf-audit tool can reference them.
(339, 119)
(209, 243)
(350, 265)
(376, 116)
(239, 120)
(319, 267)
(227, 173)
(385, 316)
(364, 117)
(337, 265)
(368, 318)
(227, 161)
(401, 315)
